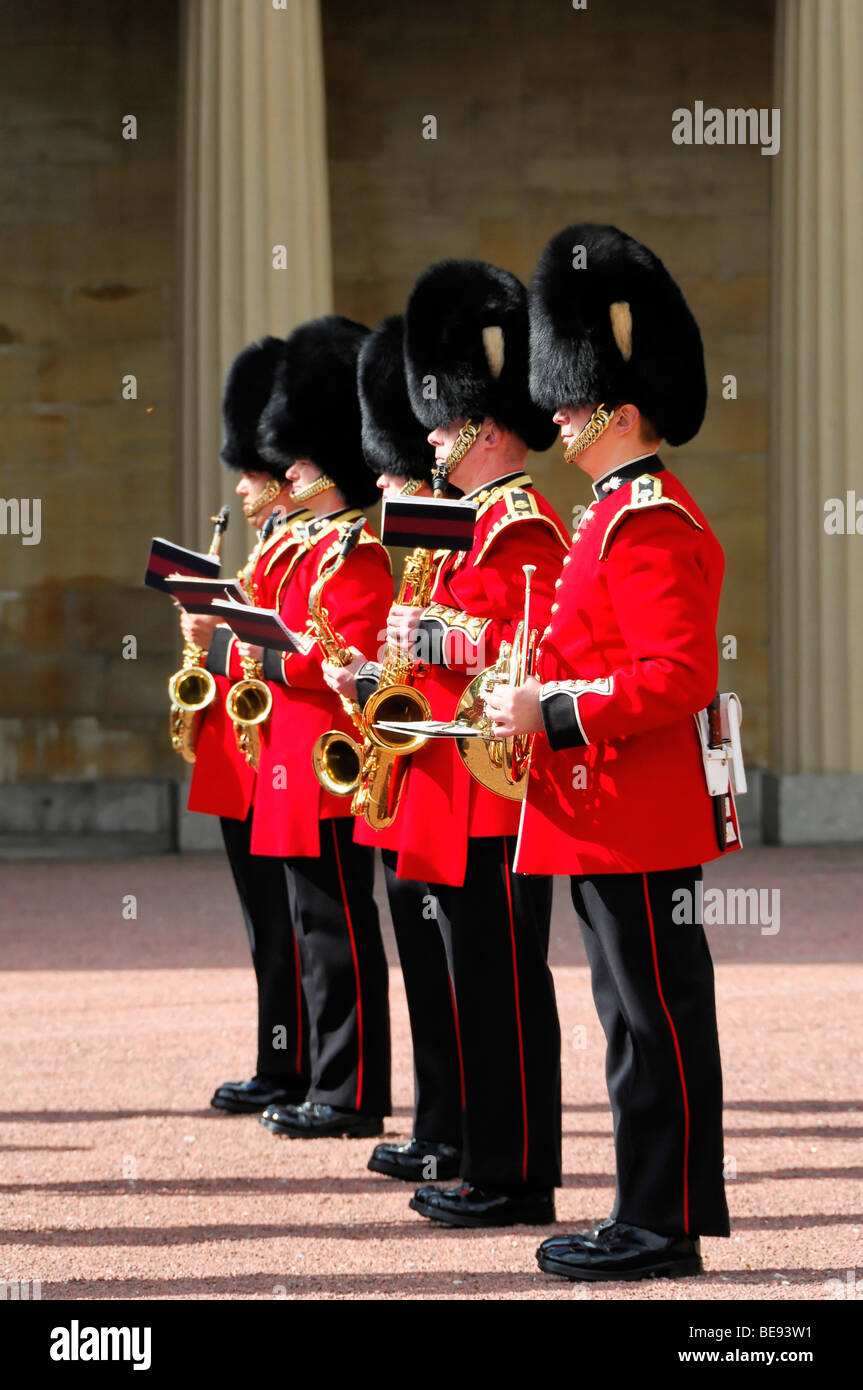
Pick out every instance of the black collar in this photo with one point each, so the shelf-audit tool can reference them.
(627, 473)
(493, 483)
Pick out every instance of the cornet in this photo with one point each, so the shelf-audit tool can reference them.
(499, 764)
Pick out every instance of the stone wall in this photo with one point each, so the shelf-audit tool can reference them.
(86, 297)
(547, 115)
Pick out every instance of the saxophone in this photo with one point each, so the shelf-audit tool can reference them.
(249, 701)
(336, 757)
(385, 751)
(192, 688)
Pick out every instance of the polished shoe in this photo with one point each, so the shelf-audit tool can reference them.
(313, 1121)
(471, 1206)
(251, 1097)
(615, 1250)
(418, 1161)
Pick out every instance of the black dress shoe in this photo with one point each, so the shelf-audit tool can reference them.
(617, 1251)
(418, 1161)
(313, 1121)
(250, 1097)
(471, 1206)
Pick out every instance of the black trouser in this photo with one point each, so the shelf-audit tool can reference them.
(345, 974)
(653, 987)
(431, 1006)
(495, 929)
(283, 1032)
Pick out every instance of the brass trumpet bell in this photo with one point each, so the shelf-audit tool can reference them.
(497, 764)
(338, 762)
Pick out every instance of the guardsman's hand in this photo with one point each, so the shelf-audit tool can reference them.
(402, 625)
(198, 628)
(247, 652)
(514, 709)
(342, 679)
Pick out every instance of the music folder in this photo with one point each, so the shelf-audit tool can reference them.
(261, 627)
(433, 523)
(198, 595)
(167, 559)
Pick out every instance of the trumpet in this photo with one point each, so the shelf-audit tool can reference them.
(336, 757)
(192, 688)
(499, 764)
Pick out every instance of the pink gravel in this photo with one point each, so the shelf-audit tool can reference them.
(118, 1181)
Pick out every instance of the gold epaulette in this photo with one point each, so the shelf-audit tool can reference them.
(521, 505)
(366, 538)
(644, 493)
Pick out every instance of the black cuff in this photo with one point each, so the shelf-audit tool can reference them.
(431, 637)
(367, 680)
(272, 667)
(217, 656)
(560, 718)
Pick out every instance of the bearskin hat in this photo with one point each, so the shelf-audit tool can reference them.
(248, 387)
(614, 329)
(466, 350)
(394, 440)
(314, 409)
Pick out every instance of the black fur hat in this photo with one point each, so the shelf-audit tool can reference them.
(248, 387)
(314, 410)
(394, 441)
(616, 330)
(466, 328)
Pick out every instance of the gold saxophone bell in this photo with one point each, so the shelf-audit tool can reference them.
(191, 689)
(338, 762)
(249, 703)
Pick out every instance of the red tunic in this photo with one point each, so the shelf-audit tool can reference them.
(477, 602)
(635, 613)
(223, 783)
(290, 802)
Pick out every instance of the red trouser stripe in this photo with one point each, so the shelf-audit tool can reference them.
(356, 969)
(457, 1040)
(679, 1059)
(517, 1012)
(299, 1005)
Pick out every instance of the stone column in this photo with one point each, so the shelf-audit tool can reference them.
(253, 176)
(253, 171)
(815, 789)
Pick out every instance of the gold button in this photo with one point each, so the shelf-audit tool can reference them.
(547, 630)
(557, 583)
(554, 607)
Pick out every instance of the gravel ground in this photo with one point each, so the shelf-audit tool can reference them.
(118, 1181)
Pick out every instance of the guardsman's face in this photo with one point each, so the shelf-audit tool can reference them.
(443, 438)
(249, 488)
(572, 421)
(302, 473)
(389, 485)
